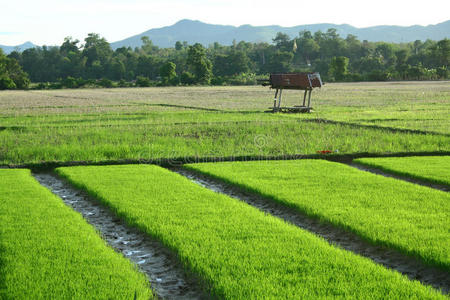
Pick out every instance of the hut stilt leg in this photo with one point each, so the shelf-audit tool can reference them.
(304, 97)
(309, 98)
(279, 99)
(275, 101)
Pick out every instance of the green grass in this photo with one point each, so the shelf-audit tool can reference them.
(237, 251)
(47, 251)
(411, 105)
(152, 123)
(204, 135)
(411, 218)
(435, 169)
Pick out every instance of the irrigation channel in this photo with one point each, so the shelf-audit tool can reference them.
(165, 273)
(390, 258)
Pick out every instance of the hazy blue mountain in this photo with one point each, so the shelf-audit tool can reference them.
(20, 48)
(206, 34)
(199, 32)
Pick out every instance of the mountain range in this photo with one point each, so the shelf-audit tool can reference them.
(24, 46)
(206, 34)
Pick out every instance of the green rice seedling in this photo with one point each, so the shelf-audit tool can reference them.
(48, 251)
(411, 105)
(254, 137)
(386, 211)
(152, 123)
(428, 168)
(237, 251)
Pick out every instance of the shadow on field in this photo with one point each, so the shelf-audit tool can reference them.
(386, 128)
(182, 106)
(12, 128)
(181, 160)
(341, 236)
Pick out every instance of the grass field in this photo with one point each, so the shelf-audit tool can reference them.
(430, 168)
(238, 251)
(411, 218)
(153, 123)
(204, 139)
(48, 251)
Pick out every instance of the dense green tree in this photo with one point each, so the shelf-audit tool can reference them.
(338, 68)
(336, 58)
(98, 54)
(200, 64)
(283, 42)
(307, 48)
(147, 45)
(387, 54)
(11, 74)
(280, 61)
(233, 63)
(441, 52)
(178, 46)
(148, 66)
(117, 69)
(168, 73)
(69, 45)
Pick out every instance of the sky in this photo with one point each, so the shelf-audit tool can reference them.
(48, 22)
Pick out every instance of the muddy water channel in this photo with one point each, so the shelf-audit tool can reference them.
(166, 275)
(390, 258)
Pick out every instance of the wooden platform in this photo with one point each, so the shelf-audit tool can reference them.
(293, 109)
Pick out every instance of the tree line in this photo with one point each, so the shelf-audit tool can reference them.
(95, 63)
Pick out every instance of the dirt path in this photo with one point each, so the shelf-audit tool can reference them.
(166, 275)
(390, 258)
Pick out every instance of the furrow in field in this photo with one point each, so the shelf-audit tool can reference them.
(390, 258)
(376, 127)
(377, 171)
(167, 277)
(238, 251)
(433, 171)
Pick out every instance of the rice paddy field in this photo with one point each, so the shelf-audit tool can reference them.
(437, 167)
(126, 152)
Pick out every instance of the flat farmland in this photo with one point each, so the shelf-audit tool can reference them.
(432, 168)
(238, 251)
(197, 122)
(383, 210)
(176, 238)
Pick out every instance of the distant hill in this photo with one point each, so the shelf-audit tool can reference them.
(206, 34)
(24, 46)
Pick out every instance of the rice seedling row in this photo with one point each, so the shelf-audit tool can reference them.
(385, 211)
(414, 268)
(165, 273)
(237, 250)
(48, 251)
(434, 169)
(147, 142)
